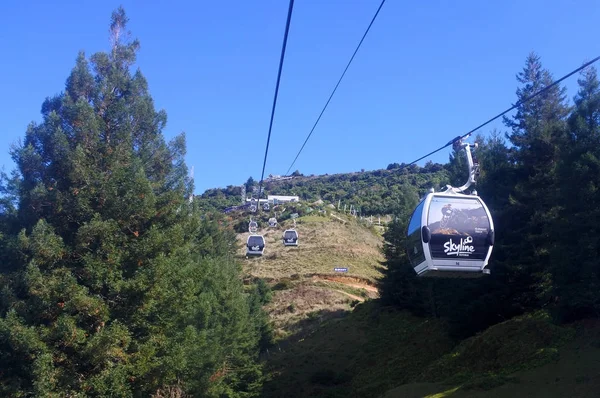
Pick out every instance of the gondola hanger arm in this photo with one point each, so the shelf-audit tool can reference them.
(473, 167)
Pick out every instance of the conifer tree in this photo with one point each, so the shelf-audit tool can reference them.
(575, 229)
(112, 283)
(538, 130)
(457, 167)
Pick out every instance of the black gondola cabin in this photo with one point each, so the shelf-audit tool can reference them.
(290, 237)
(450, 235)
(255, 245)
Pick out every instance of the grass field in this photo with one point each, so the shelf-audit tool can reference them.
(363, 354)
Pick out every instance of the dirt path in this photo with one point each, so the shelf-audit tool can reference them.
(348, 281)
(352, 296)
(360, 286)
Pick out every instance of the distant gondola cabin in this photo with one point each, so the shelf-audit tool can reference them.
(290, 237)
(255, 245)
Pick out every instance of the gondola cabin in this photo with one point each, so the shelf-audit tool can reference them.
(252, 227)
(272, 222)
(255, 245)
(450, 235)
(290, 238)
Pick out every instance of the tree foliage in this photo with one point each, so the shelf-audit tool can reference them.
(112, 284)
(575, 233)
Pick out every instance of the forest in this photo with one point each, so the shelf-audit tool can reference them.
(114, 283)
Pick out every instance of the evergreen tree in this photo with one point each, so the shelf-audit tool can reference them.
(575, 230)
(538, 129)
(112, 283)
(457, 167)
(249, 184)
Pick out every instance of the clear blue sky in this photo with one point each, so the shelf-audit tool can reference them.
(425, 73)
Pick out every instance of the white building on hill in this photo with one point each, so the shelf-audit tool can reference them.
(282, 198)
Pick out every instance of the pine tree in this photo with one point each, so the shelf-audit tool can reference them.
(112, 283)
(538, 130)
(575, 230)
(457, 167)
(249, 184)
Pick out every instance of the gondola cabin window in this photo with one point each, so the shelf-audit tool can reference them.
(255, 241)
(459, 228)
(415, 246)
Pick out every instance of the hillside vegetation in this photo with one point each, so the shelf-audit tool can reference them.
(375, 349)
(386, 191)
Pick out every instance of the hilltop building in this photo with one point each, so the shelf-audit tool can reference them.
(282, 198)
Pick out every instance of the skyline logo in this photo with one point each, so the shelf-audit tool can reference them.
(462, 249)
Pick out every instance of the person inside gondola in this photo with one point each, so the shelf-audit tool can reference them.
(447, 210)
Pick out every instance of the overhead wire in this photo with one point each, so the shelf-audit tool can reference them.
(585, 65)
(335, 88)
(283, 47)
(460, 137)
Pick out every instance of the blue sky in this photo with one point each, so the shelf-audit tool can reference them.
(426, 72)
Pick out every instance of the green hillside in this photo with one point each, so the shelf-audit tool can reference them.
(378, 351)
(372, 192)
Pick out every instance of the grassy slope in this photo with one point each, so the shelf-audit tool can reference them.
(369, 351)
(305, 292)
(374, 349)
(571, 369)
(324, 243)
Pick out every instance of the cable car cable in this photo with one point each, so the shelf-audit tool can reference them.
(460, 137)
(512, 107)
(285, 37)
(335, 88)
